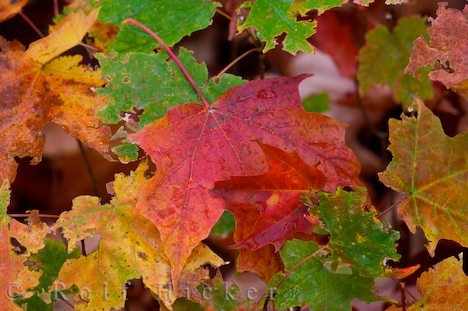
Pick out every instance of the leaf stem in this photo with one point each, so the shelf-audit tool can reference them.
(30, 23)
(172, 55)
(222, 72)
(89, 168)
(27, 215)
(222, 13)
(295, 267)
(391, 207)
(300, 263)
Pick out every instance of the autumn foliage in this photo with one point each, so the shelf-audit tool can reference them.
(231, 175)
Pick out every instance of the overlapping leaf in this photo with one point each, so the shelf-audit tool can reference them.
(49, 261)
(357, 239)
(432, 170)
(385, 56)
(443, 287)
(129, 248)
(170, 19)
(194, 146)
(148, 81)
(313, 285)
(331, 276)
(275, 196)
(37, 92)
(16, 277)
(447, 50)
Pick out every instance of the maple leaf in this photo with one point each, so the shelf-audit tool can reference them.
(385, 56)
(447, 50)
(331, 276)
(67, 33)
(195, 14)
(194, 146)
(10, 8)
(443, 287)
(160, 86)
(262, 261)
(129, 248)
(16, 277)
(49, 261)
(276, 197)
(313, 285)
(273, 18)
(58, 91)
(32, 234)
(357, 239)
(432, 170)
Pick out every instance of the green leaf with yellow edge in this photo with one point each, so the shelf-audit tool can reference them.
(170, 19)
(129, 248)
(358, 240)
(127, 152)
(154, 84)
(311, 284)
(49, 261)
(384, 57)
(16, 277)
(432, 170)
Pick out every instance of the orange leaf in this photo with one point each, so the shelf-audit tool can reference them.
(16, 277)
(59, 91)
(9, 8)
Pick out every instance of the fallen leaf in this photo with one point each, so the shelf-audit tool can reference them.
(59, 91)
(129, 248)
(275, 196)
(432, 170)
(67, 33)
(447, 50)
(16, 277)
(194, 147)
(384, 57)
(443, 287)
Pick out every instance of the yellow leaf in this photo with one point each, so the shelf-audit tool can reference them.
(16, 278)
(68, 33)
(129, 248)
(32, 234)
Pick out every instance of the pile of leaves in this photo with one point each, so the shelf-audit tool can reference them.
(227, 147)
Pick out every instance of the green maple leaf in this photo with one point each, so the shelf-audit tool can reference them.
(357, 239)
(150, 82)
(50, 260)
(170, 19)
(384, 57)
(313, 285)
(331, 277)
(273, 18)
